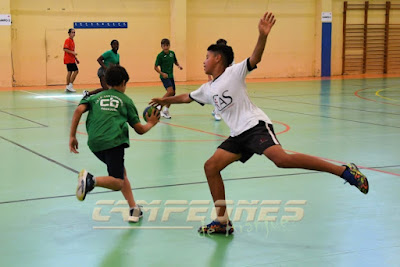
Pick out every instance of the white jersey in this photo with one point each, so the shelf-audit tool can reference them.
(228, 94)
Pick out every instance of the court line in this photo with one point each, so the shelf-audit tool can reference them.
(320, 116)
(194, 183)
(33, 127)
(322, 105)
(377, 94)
(356, 93)
(40, 155)
(24, 118)
(144, 227)
(192, 129)
(160, 186)
(287, 128)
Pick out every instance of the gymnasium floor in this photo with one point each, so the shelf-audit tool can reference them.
(301, 218)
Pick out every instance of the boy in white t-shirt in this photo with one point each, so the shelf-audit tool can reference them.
(251, 129)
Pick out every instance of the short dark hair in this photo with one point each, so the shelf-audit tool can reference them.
(165, 41)
(221, 42)
(225, 51)
(70, 30)
(116, 75)
(113, 41)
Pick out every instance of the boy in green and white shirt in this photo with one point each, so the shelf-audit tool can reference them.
(164, 65)
(108, 136)
(107, 59)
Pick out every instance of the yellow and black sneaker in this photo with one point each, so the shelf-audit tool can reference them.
(353, 176)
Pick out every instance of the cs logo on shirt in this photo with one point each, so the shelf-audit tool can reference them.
(114, 103)
(221, 102)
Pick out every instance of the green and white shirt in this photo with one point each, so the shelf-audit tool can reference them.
(106, 123)
(166, 62)
(110, 58)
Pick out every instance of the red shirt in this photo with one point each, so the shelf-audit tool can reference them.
(70, 45)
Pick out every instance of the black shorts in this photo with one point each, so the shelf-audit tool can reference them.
(114, 159)
(169, 82)
(72, 67)
(254, 140)
(101, 72)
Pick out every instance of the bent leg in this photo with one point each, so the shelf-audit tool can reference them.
(109, 182)
(213, 168)
(104, 87)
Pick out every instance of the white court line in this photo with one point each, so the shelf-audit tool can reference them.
(145, 227)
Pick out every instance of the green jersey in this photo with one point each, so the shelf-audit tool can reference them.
(110, 58)
(106, 123)
(166, 62)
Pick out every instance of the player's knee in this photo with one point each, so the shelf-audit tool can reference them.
(170, 93)
(281, 161)
(210, 167)
(119, 183)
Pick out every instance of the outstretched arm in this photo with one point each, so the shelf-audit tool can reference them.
(178, 99)
(264, 27)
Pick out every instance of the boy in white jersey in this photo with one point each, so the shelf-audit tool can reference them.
(251, 129)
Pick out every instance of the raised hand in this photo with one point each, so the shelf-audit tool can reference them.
(266, 23)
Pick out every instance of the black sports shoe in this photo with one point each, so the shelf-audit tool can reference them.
(85, 184)
(85, 94)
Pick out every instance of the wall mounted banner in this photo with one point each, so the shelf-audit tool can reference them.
(100, 25)
(5, 19)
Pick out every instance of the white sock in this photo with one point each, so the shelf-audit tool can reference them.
(165, 109)
(70, 84)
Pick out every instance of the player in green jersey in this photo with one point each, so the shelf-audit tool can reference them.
(165, 67)
(107, 59)
(106, 125)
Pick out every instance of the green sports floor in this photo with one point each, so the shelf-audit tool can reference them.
(282, 217)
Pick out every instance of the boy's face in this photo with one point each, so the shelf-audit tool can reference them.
(165, 48)
(115, 46)
(72, 34)
(211, 61)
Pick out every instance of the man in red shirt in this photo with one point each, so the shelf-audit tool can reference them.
(70, 60)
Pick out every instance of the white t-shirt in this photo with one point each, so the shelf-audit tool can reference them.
(228, 95)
